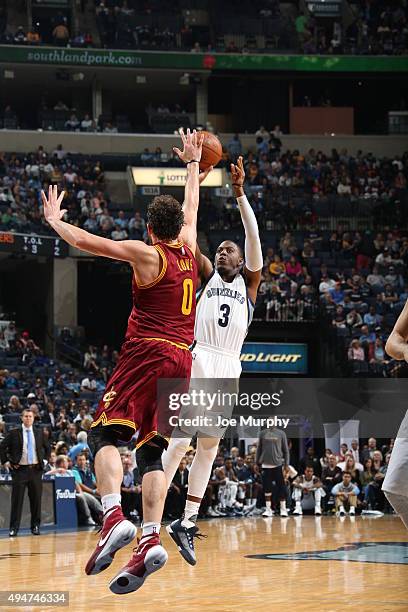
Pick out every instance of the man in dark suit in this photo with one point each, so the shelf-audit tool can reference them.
(24, 449)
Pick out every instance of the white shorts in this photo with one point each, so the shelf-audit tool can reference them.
(216, 373)
(396, 478)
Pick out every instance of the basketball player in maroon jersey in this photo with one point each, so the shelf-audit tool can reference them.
(160, 330)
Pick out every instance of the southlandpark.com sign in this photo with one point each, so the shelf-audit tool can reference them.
(276, 358)
(67, 56)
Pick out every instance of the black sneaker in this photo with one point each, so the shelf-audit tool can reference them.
(184, 538)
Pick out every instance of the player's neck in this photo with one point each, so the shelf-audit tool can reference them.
(228, 277)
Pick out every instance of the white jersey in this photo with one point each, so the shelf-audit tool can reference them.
(223, 315)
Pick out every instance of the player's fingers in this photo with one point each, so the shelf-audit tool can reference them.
(43, 197)
(177, 151)
(61, 197)
(183, 136)
(200, 139)
(62, 212)
(240, 162)
(50, 193)
(55, 194)
(194, 138)
(188, 136)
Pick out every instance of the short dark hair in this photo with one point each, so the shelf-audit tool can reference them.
(348, 473)
(27, 410)
(165, 217)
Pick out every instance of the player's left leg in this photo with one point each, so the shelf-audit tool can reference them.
(116, 530)
(172, 456)
(150, 555)
(183, 531)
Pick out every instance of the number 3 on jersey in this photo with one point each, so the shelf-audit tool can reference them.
(187, 302)
(225, 309)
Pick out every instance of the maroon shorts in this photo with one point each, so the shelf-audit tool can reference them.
(131, 401)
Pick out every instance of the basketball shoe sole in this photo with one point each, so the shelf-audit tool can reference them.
(141, 565)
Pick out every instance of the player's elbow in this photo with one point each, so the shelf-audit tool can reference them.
(390, 348)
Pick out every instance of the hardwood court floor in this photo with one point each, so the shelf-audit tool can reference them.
(372, 574)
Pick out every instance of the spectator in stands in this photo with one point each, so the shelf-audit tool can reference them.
(20, 36)
(131, 489)
(369, 451)
(234, 147)
(310, 460)
(60, 35)
(137, 227)
(307, 492)
(331, 475)
(80, 447)
(356, 352)
(177, 494)
(354, 319)
(33, 37)
(87, 124)
(345, 494)
(118, 233)
(72, 123)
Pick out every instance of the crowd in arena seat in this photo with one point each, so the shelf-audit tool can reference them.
(246, 27)
(63, 400)
(318, 262)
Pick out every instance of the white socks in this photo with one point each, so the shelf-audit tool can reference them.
(269, 504)
(190, 512)
(149, 529)
(109, 501)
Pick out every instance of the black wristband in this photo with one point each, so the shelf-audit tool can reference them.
(237, 185)
(193, 161)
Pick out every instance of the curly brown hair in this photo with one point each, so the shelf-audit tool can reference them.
(165, 217)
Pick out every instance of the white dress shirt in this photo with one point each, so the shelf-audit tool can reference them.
(24, 458)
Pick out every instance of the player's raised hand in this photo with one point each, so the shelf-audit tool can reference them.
(52, 205)
(238, 172)
(203, 175)
(192, 146)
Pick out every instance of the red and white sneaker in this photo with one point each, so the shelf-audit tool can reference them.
(149, 557)
(116, 532)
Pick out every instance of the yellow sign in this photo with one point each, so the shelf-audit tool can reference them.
(172, 177)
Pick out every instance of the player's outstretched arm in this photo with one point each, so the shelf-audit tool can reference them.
(126, 250)
(191, 156)
(253, 249)
(397, 343)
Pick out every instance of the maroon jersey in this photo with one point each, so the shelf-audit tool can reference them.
(165, 308)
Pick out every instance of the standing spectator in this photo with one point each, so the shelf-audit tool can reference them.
(273, 456)
(24, 449)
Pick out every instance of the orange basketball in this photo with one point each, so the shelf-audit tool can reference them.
(212, 151)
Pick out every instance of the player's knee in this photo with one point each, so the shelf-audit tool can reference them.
(149, 459)
(99, 437)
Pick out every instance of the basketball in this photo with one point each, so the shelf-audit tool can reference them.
(212, 151)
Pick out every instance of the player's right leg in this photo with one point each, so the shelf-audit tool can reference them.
(116, 530)
(395, 484)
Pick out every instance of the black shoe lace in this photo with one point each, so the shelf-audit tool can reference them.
(191, 536)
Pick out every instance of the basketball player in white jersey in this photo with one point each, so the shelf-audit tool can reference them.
(224, 312)
(395, 484)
